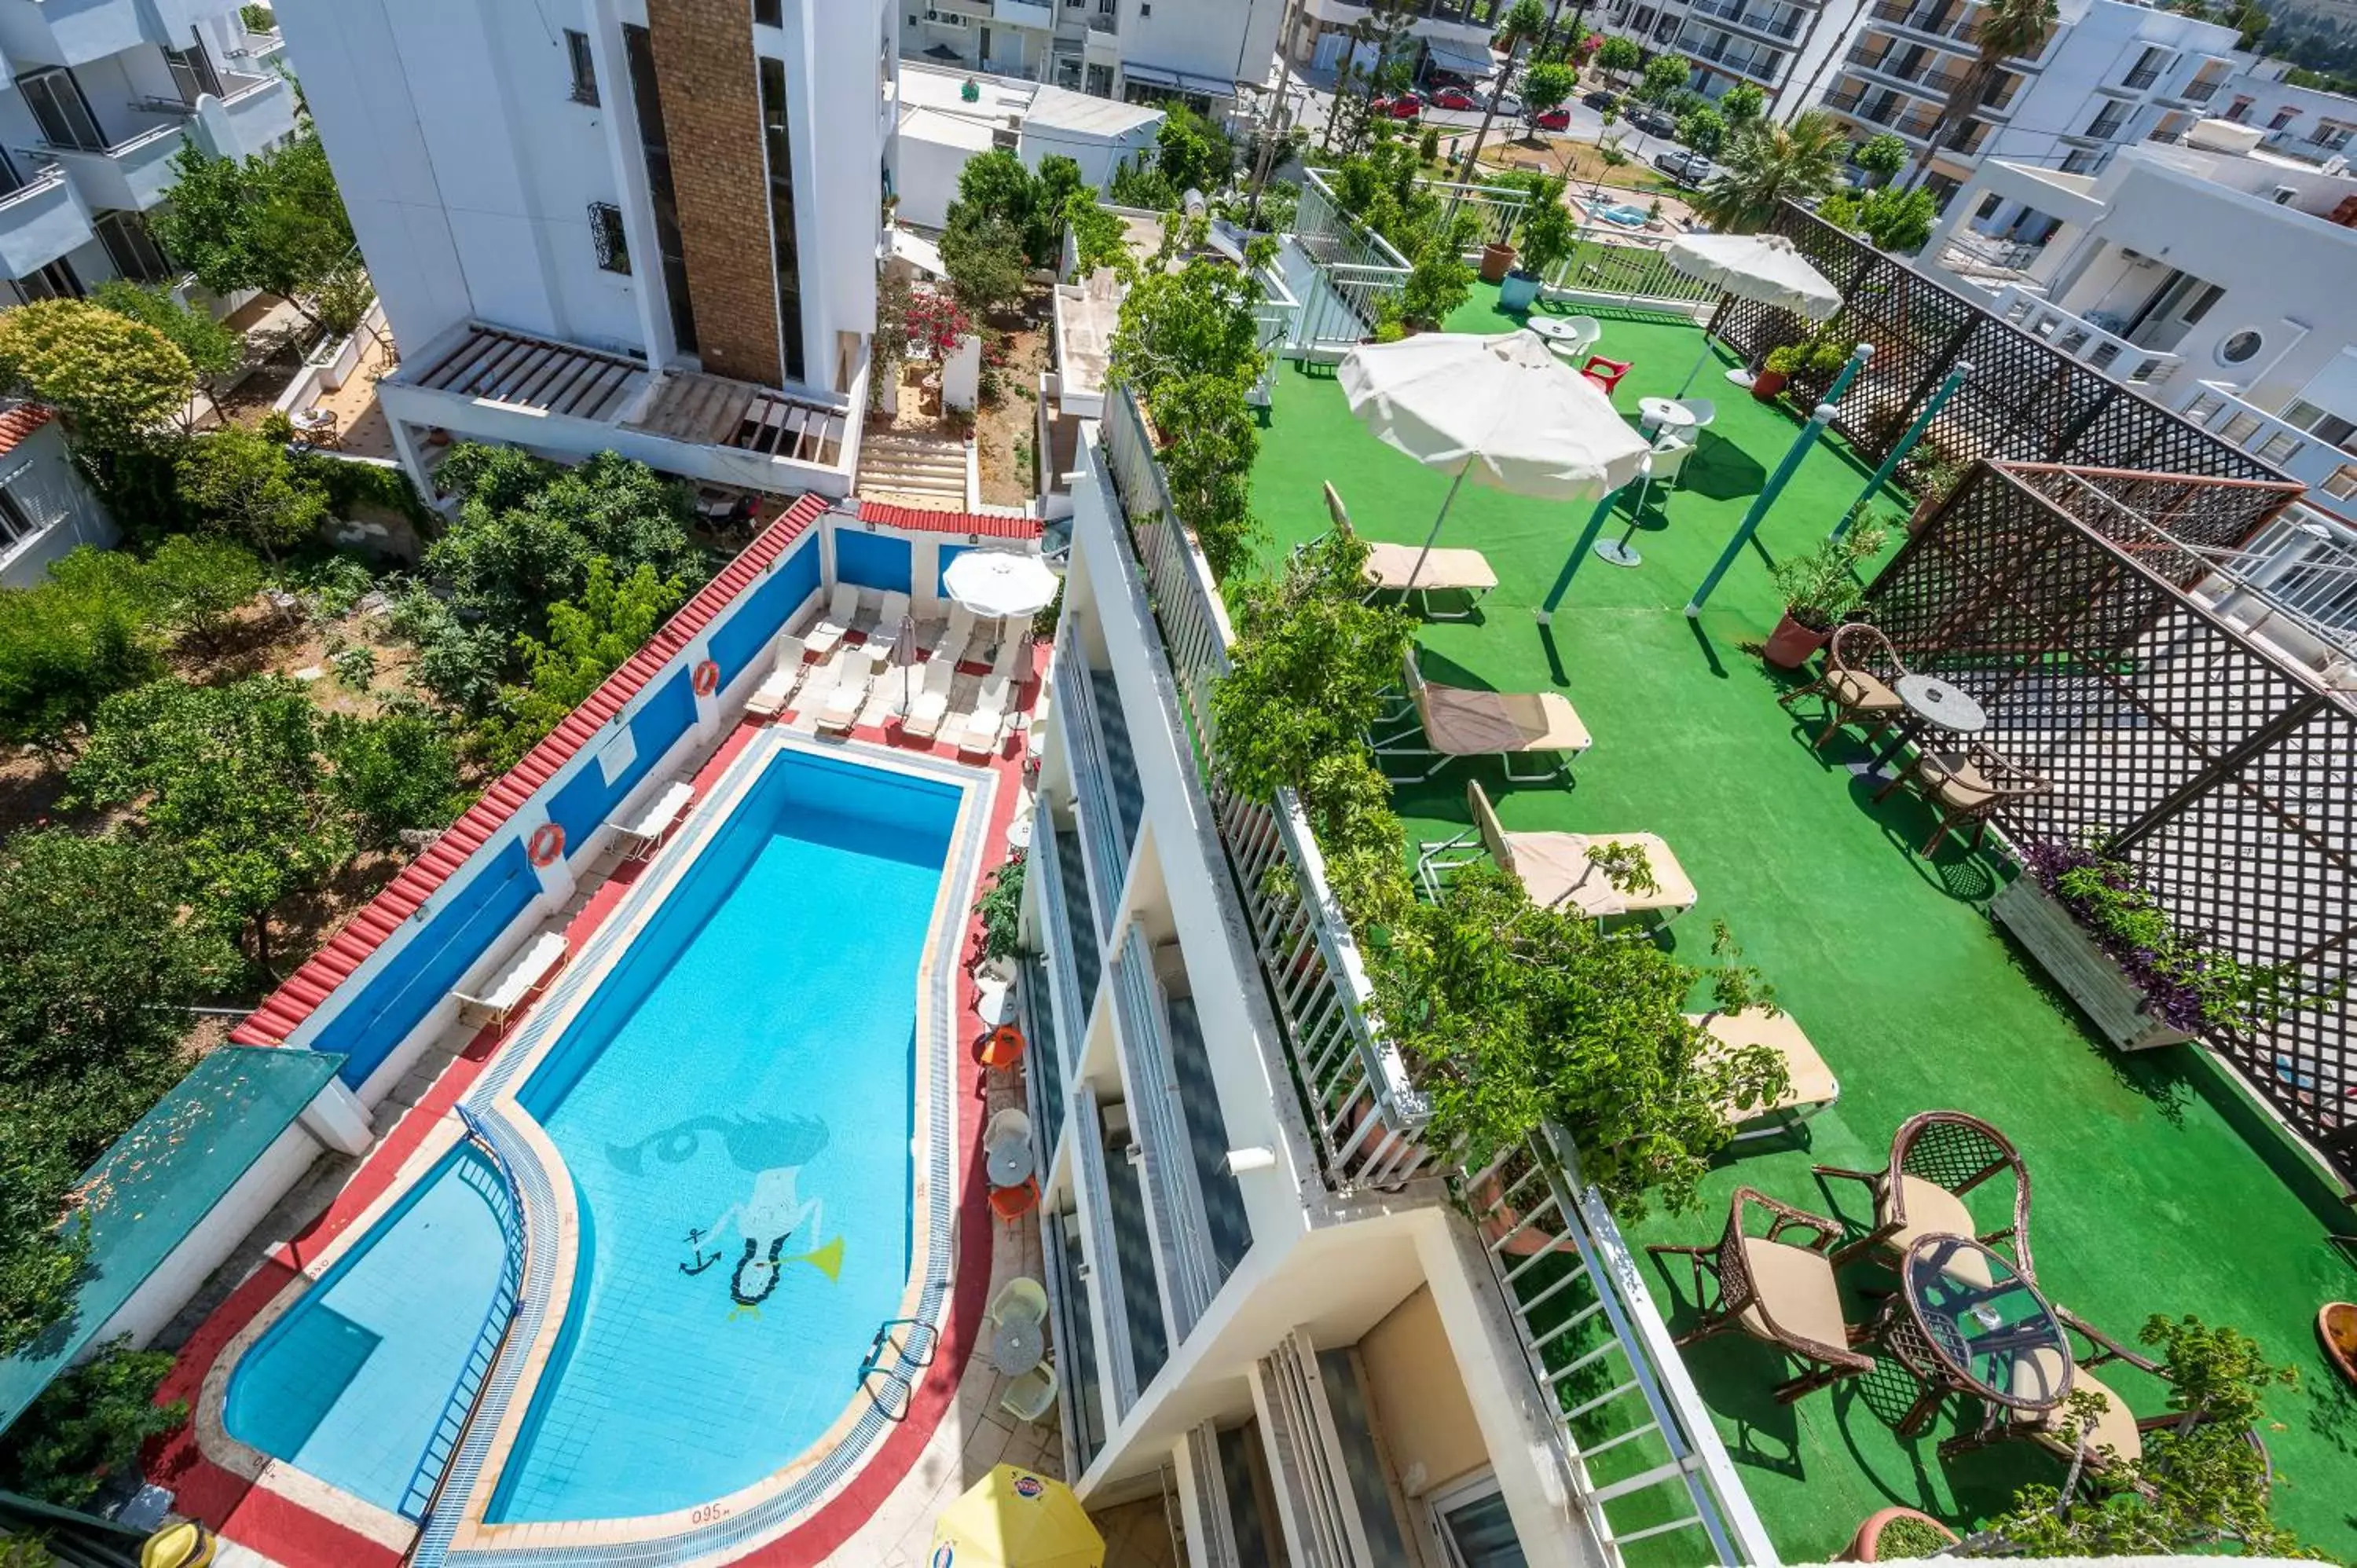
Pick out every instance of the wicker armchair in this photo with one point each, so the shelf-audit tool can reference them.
(1774, 1290)
(1936, 1157)
(1967, 786)
(1860, 683)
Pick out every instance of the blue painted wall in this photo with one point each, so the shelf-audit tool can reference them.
(942, 559)
(741, 638)
(466, 920)
(872, 560)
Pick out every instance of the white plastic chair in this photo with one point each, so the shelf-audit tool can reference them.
(889, 613)
(978, 729)
(1031, 1396)
(842, 610)
(1702, 408)
(1670, 454)
(841, 709)
(1588, 329)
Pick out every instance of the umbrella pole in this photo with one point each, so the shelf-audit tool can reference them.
(1447, 502)
(1956, 378)
(1618, 551)
(1578, 553)
(1697, 364)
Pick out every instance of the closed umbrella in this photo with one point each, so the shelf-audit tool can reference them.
(1767, 269)
(1503, 411)
(906, 654)
(1015, 1517)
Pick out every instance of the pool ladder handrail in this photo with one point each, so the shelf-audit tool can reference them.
(873, 1363)
(481, 1139)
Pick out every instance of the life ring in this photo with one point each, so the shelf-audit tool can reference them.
(707, 678)
(546, 844)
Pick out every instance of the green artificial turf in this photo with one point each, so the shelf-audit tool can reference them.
(2160, 1188)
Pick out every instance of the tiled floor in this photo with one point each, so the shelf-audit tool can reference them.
(358, 416)
(1138, 1535)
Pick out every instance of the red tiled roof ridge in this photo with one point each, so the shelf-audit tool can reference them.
(990, 525)
(285, 1009)
(19, 422)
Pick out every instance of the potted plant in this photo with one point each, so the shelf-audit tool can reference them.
(1819, 589)
(1775, 370)
(1548, 237)
(1935, 478)
(1496, 260)
(2103, 937)
(1894, 1534)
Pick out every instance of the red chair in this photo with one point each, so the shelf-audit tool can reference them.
(1010, 1204)
(1003, 1047)
(1606, 373)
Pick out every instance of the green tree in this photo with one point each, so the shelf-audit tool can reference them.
(197, 584)
(1545, 87)
(1665, 74)
(2001, 30)
(230, 779)
(68, 644)
(1704, 130)
(1617, 56)
(1882, 156)
(1766, 166)
(214, 352)
(1437, 281)
(246, 488)
(1213, 440)
(460, 661)
(40, 1258)
(275, 222)
(587, 640)
(395, 771)
(88, 1423)
(1196, 321)
(116, 382)
(1524, 23)
(1137, 182)
(1099, 237)
(1191, 153)
(984, 256)
(1054, 187)
(1896, 220)
(1742, 103)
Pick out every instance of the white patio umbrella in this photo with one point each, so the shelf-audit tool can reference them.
(996, 584)
(1502, 410)
(1766, 268)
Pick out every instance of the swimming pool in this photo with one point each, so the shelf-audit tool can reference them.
(723, 1116)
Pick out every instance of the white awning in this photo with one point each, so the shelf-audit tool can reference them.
(1177, 81)
(1457, 58)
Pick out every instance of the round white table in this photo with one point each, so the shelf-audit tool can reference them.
(1017, 1346)
(1553, 328)
(1018, 831)
(1009, 1162)
(991, 1002)
(1662, 413)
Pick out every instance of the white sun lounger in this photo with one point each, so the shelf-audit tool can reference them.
(931, 703)
(842, 610)
(776, 688)
(1393, 569)
(955, 636)
(514, 982)
(975, 732)
(889, 615)
(1014, 657)
(840, 708)
(646, 827)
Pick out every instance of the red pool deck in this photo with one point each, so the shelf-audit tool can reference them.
(281, 1529)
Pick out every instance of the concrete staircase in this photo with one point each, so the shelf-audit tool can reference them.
(913, 471)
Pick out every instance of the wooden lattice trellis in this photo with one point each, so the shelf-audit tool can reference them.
(2224, 771)
(2026, 400)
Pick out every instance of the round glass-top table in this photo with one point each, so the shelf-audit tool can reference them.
(1941, 706)
(1971, 1323)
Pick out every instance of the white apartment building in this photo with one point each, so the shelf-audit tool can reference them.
(100, 97)
(1206, 53)
(603, 225)
(2303, 122)
(1777, 46)
(1454, 33)
(2111, 74)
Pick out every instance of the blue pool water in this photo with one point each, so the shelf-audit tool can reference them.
(353, 1381)
(734, 1106)
(1627, 217)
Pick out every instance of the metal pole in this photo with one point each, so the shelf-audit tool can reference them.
(1696, 370)
(1780, 477)
(1619, 551)
(1450, 500)
(1957, 377)
(1579, 551)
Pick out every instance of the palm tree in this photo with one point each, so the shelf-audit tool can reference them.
(2005, 28)
(1765, 165)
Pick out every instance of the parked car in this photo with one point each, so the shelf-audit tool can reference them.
(1406, 107)
(1601, 100)
(1439, 76)
(1454, 97)
(1685, 168)
(1653, 122)
(1555, 119)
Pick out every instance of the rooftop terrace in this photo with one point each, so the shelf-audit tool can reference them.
(2161, 1186)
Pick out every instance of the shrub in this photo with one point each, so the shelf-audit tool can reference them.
(116, 382)
(1001, 910)
(88, 1423)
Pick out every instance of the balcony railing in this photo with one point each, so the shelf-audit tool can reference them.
(1070, 1003)
(2081, 340)
(2329, 471)
(1884, 63)
(1105, 851)
(1181, 1224)
(2142, 77)
(1927, 19)
(1049, 1070)
(2200, 91)
(1106, 1265)
(1752, 18)
(1736, 55)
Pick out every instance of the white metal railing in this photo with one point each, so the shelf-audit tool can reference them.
(1213, 1544)
(1069, 1007)
(1354, 1088)
(47, 175)
(1072, 1363)
(2328, 470)
(1312, 1482)
(1174, 1199)
(1967, 251)
(1104, 1252)
(1276, 320)
(1499, 212)
(2301, 569)
(1357, 268)
(1102, 851)
(1634, 1427)
(2095, 347)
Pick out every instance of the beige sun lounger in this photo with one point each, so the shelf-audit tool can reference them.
(830, 628)
(931, 703)
(889, 613)
(776, 688)
(1458, 721)
(977, 731)
(1390, 567)
(645, 828)
(839, 708)
(1559, 870)
(1813, 1086)
(514, 982)
(955, 636)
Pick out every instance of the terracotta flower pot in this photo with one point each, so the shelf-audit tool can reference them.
(1495, 260)
(1789, 645)
(2336, 1325)
(1767, 383)
(1862, 1544)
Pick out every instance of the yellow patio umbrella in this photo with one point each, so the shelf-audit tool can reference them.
(1015, 1517)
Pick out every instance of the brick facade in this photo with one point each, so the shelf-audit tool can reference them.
(712, 118)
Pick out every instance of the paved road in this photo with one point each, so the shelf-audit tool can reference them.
(1313, 100)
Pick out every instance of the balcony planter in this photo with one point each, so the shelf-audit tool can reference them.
(1518, 291)
(1864, 1546)
(2121, 1010)
(1495, 260)
(1767, 383)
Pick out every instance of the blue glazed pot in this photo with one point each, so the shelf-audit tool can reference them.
(1519, 291)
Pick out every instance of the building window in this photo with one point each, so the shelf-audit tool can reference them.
(646, 101)
(1474, 1528)
(2236, 110)
(2242, 348)
(777, 145)
(2283, 117)
(56, 281)
(63, 112)
(192, 71)
(585, 66)
(15, 524)
(606, 235)
(769, 13)
(132, 249)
